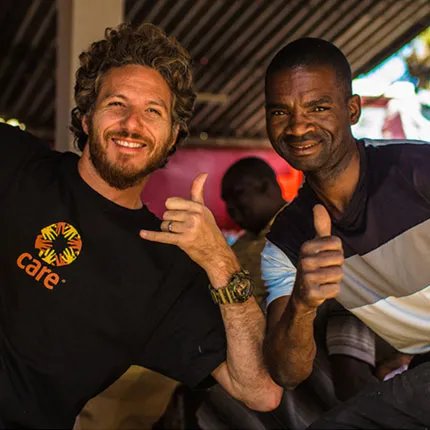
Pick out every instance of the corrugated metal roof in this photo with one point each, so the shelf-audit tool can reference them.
(231, 43)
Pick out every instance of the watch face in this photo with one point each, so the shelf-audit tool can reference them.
(242, 287)
(238, 290)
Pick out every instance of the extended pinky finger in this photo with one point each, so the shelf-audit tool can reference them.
(158, 236)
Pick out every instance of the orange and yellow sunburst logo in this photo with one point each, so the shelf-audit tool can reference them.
(59, 244)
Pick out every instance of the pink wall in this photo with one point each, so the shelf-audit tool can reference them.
(186, 163)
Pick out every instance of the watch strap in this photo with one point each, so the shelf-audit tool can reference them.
(238, 290)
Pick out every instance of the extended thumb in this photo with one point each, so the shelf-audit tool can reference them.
(322, 221)
(197, 188)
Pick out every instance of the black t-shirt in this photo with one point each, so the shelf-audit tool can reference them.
(82, 296)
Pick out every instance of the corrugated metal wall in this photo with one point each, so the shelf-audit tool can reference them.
(231, 42)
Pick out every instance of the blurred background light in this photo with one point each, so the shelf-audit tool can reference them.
(13, 122)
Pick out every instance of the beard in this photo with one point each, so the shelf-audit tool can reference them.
(118, 173)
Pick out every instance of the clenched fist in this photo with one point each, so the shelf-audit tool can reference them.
(319, 269)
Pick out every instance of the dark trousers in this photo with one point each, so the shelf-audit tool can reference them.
(399, 403)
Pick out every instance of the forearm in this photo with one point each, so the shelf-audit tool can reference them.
(245, 376)
(249, 378)
(290, 347)
(221, 269)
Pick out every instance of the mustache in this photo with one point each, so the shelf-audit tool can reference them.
(125, 134)
(291, 139)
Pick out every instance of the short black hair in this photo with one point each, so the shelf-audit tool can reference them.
(249, 167)
(311, 52)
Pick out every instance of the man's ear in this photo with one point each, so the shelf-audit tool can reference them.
(354, 109)
(175, 132)
(85, 124)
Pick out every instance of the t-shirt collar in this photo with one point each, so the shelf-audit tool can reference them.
(353, 216)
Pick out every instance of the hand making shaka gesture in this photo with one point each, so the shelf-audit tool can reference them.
(190, 225)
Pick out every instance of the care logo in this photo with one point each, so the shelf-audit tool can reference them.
(58, 245)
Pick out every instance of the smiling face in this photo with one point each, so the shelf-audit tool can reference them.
(130, 130)
(309, 117)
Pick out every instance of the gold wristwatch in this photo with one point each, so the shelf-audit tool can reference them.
(238, 290)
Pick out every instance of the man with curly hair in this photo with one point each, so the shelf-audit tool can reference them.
(91, 281)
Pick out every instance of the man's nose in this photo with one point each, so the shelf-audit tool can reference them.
(299, 124)
(133, 119)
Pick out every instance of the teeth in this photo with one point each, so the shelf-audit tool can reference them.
(128, 144)
(305, 147)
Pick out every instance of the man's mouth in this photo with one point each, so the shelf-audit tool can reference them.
(303, 147)
(129, 143)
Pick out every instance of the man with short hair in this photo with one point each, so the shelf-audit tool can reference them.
(83, 296)
(358, 231)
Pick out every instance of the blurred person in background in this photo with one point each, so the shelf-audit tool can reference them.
(253, 197)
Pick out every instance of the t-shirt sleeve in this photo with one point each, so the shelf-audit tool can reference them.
(16, 148)
(277, 272)
(347, 335)
(190, 341)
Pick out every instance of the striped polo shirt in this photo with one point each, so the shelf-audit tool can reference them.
(385, 233)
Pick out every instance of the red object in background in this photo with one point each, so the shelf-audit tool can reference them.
(186, 163)
(290, 183)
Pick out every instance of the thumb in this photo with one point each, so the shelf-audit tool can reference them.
(322, 221)
(197, 188)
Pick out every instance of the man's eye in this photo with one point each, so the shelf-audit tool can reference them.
(154, 111)
(116, 103)
(277, 113)
(320, 109)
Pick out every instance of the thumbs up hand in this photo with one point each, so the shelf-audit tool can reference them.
(322, 221)
(319, 269)
(190, 225)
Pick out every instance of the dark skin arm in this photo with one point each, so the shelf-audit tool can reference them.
(384, 367)
(289, 345)
(350, 375)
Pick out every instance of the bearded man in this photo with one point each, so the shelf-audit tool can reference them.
(91, 281)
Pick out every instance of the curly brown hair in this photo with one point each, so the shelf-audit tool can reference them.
(146, 45)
